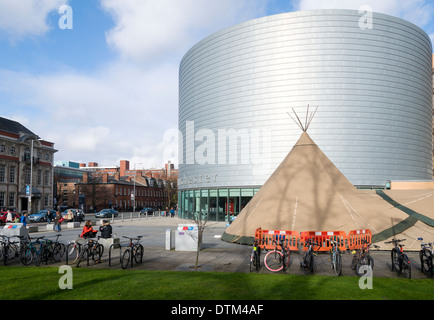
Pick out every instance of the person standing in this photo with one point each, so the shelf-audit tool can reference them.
(24, 219)
(9, 216)
(57, 221)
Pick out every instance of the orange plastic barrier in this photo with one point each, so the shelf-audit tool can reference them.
(265, 238)
(323, 239)
(293, 239)
(355, 238)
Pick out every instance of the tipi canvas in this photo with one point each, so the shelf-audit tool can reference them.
(308, 193)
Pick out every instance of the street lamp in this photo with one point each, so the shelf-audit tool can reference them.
(29, 203)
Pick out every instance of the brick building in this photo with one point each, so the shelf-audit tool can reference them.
(99, 187)
(101, 191)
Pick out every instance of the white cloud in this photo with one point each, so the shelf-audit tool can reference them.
(118, 110)
(419, 12)
(26, 18)
(126, 109)
(147, 29)
(87, 139)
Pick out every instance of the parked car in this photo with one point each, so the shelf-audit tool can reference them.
(3, 215)
(64, 215)
(39, 216)
(78, 215)
(147, 211)
(106, 213)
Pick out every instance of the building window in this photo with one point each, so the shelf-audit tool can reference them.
(46, 178)
(39, 178)
(46, 202)
(12, 151)
(2, 199)
(27, 176)
(12, 199)
(12, 174)
(2, 173)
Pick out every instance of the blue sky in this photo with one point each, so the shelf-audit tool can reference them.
(107, 89)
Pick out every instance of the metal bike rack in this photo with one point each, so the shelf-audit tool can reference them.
(110, 253)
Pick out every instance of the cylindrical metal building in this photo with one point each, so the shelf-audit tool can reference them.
(369, 74)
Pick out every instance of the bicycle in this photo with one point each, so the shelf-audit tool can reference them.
(400, 261)
(28, 251)
(307, 264)
(9, 249)
(277, 259)
(426, 257)
(55, 249)
(362, 257)
(255, 262)
(91, 249)
(74, 249)
(34, 250)
(336, 258)
(134, 251)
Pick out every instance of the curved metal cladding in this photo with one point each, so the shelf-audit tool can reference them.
(368, 73)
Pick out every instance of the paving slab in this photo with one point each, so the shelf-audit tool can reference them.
(216, 255)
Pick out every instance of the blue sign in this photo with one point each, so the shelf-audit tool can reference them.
(27, 190)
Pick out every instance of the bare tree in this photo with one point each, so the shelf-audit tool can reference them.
(202, 222)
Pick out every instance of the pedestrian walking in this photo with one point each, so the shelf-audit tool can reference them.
(57, 222)
(24, 219)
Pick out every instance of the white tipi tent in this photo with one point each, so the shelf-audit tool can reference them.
(308, 193)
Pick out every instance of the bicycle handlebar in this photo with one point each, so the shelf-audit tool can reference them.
(394, 240)
(136, 238)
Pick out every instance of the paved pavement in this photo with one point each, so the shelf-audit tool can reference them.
(216, 255)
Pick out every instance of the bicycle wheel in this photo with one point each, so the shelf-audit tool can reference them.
(1, 251)
(252, 258)
(74, 252)
(138, 253)
(405, 266)
(307, 264)
(5, 254)
(367, 261)
(58, 251)
(426, 262)
(14, 251)
(38, 257)
(274, 261)
(27, 256)
(286, 256)
(257, 259)
(47, 254)
(355, 260)
(97, 252)
(126, 258)
(84, 252)
(337, 263)
(395, 262)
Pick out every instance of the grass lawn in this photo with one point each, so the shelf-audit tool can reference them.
(33, 283)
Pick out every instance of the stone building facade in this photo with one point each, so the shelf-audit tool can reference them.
(26, 168)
